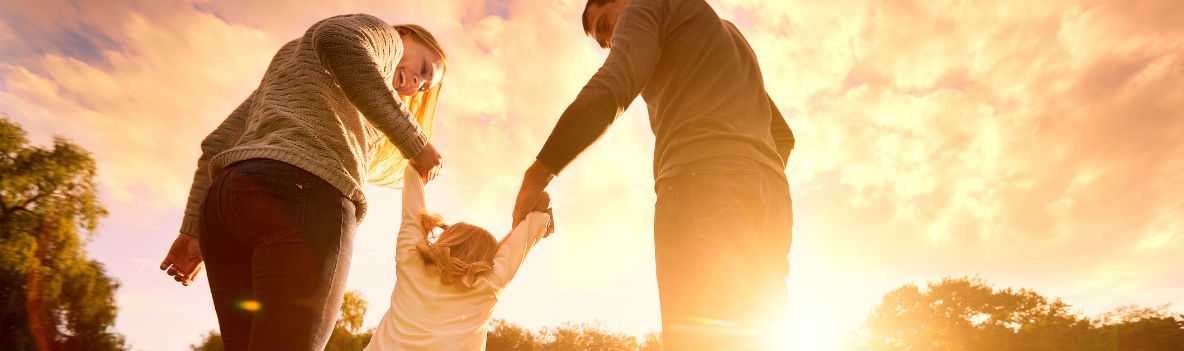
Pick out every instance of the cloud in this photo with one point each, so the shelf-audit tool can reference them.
(1035, 144)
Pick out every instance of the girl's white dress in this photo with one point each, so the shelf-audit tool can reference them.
(425, 314)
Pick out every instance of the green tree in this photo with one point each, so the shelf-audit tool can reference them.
(52, 297)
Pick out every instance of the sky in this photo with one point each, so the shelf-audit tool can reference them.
(1030, 144)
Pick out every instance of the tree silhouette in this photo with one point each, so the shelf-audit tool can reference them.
(1141, 329)
(52, 297)
(505, 336)
(967, 314)
(212, 341)
(346, 335)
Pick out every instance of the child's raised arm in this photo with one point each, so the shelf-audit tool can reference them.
(516, 245)
(411, 230)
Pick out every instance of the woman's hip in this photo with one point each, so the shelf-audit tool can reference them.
(261, 201)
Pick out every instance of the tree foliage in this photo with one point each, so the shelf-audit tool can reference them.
(347, 332)
(52, 297)
(212, 341)
(967, 314)
(505, 336)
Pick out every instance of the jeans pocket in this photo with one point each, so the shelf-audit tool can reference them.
(268, 207)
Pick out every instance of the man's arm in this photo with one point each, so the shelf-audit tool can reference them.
(635, 51)
(782, 135)
(636, 48)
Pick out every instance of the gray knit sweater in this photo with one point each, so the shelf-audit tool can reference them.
(324, 105)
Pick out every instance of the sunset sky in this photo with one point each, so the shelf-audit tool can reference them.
(1035, 144)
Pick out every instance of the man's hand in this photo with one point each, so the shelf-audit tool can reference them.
(184, 260)
(532, 194)
(428, 163)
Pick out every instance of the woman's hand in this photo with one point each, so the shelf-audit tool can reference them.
(183, 260)
(428, 163)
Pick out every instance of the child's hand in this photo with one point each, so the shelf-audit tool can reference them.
(544, 206)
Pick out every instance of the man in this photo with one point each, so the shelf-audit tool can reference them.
(723, 218)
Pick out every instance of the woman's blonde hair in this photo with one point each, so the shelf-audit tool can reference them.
(386, 167)
(461, 254)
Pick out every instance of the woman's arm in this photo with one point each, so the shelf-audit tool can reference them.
(359, 51)
(516, 245)
(222, 138)
(411, 231)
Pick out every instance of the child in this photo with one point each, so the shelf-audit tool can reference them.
(445, 291)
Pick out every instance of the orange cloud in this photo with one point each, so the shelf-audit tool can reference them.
(1034, 144)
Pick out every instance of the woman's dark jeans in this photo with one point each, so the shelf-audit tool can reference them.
(277, 242)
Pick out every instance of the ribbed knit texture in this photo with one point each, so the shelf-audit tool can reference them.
(325, 103)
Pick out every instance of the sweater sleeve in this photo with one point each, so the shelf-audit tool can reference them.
(221, 139)
(411, 231)
(782, 135)
(636, 49)
(360, 51)
(513, 249)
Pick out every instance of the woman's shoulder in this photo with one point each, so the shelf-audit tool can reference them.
(358, 23)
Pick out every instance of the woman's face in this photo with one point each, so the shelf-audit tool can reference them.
(419, 69)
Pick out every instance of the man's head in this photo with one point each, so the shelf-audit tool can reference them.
(600, 19)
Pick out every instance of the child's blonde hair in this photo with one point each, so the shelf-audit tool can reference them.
(461, 254)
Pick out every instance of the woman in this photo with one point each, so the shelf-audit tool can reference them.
(277, 193)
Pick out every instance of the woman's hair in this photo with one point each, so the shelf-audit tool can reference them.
(386, 168)
(461, 254)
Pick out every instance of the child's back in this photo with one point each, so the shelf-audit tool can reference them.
(428, 314)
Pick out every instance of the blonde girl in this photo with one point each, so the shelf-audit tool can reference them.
(445, 290)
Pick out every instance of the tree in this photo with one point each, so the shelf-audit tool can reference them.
(505, 336)
(212, 341)
(651, 342)
(347, 333)
(587, 337)
(967, 314)
(52, 297)
(1141, 329)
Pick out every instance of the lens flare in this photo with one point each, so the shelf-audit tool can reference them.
(249, 305)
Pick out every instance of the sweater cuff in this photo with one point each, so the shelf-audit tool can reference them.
(412, 143)
(191, 226)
